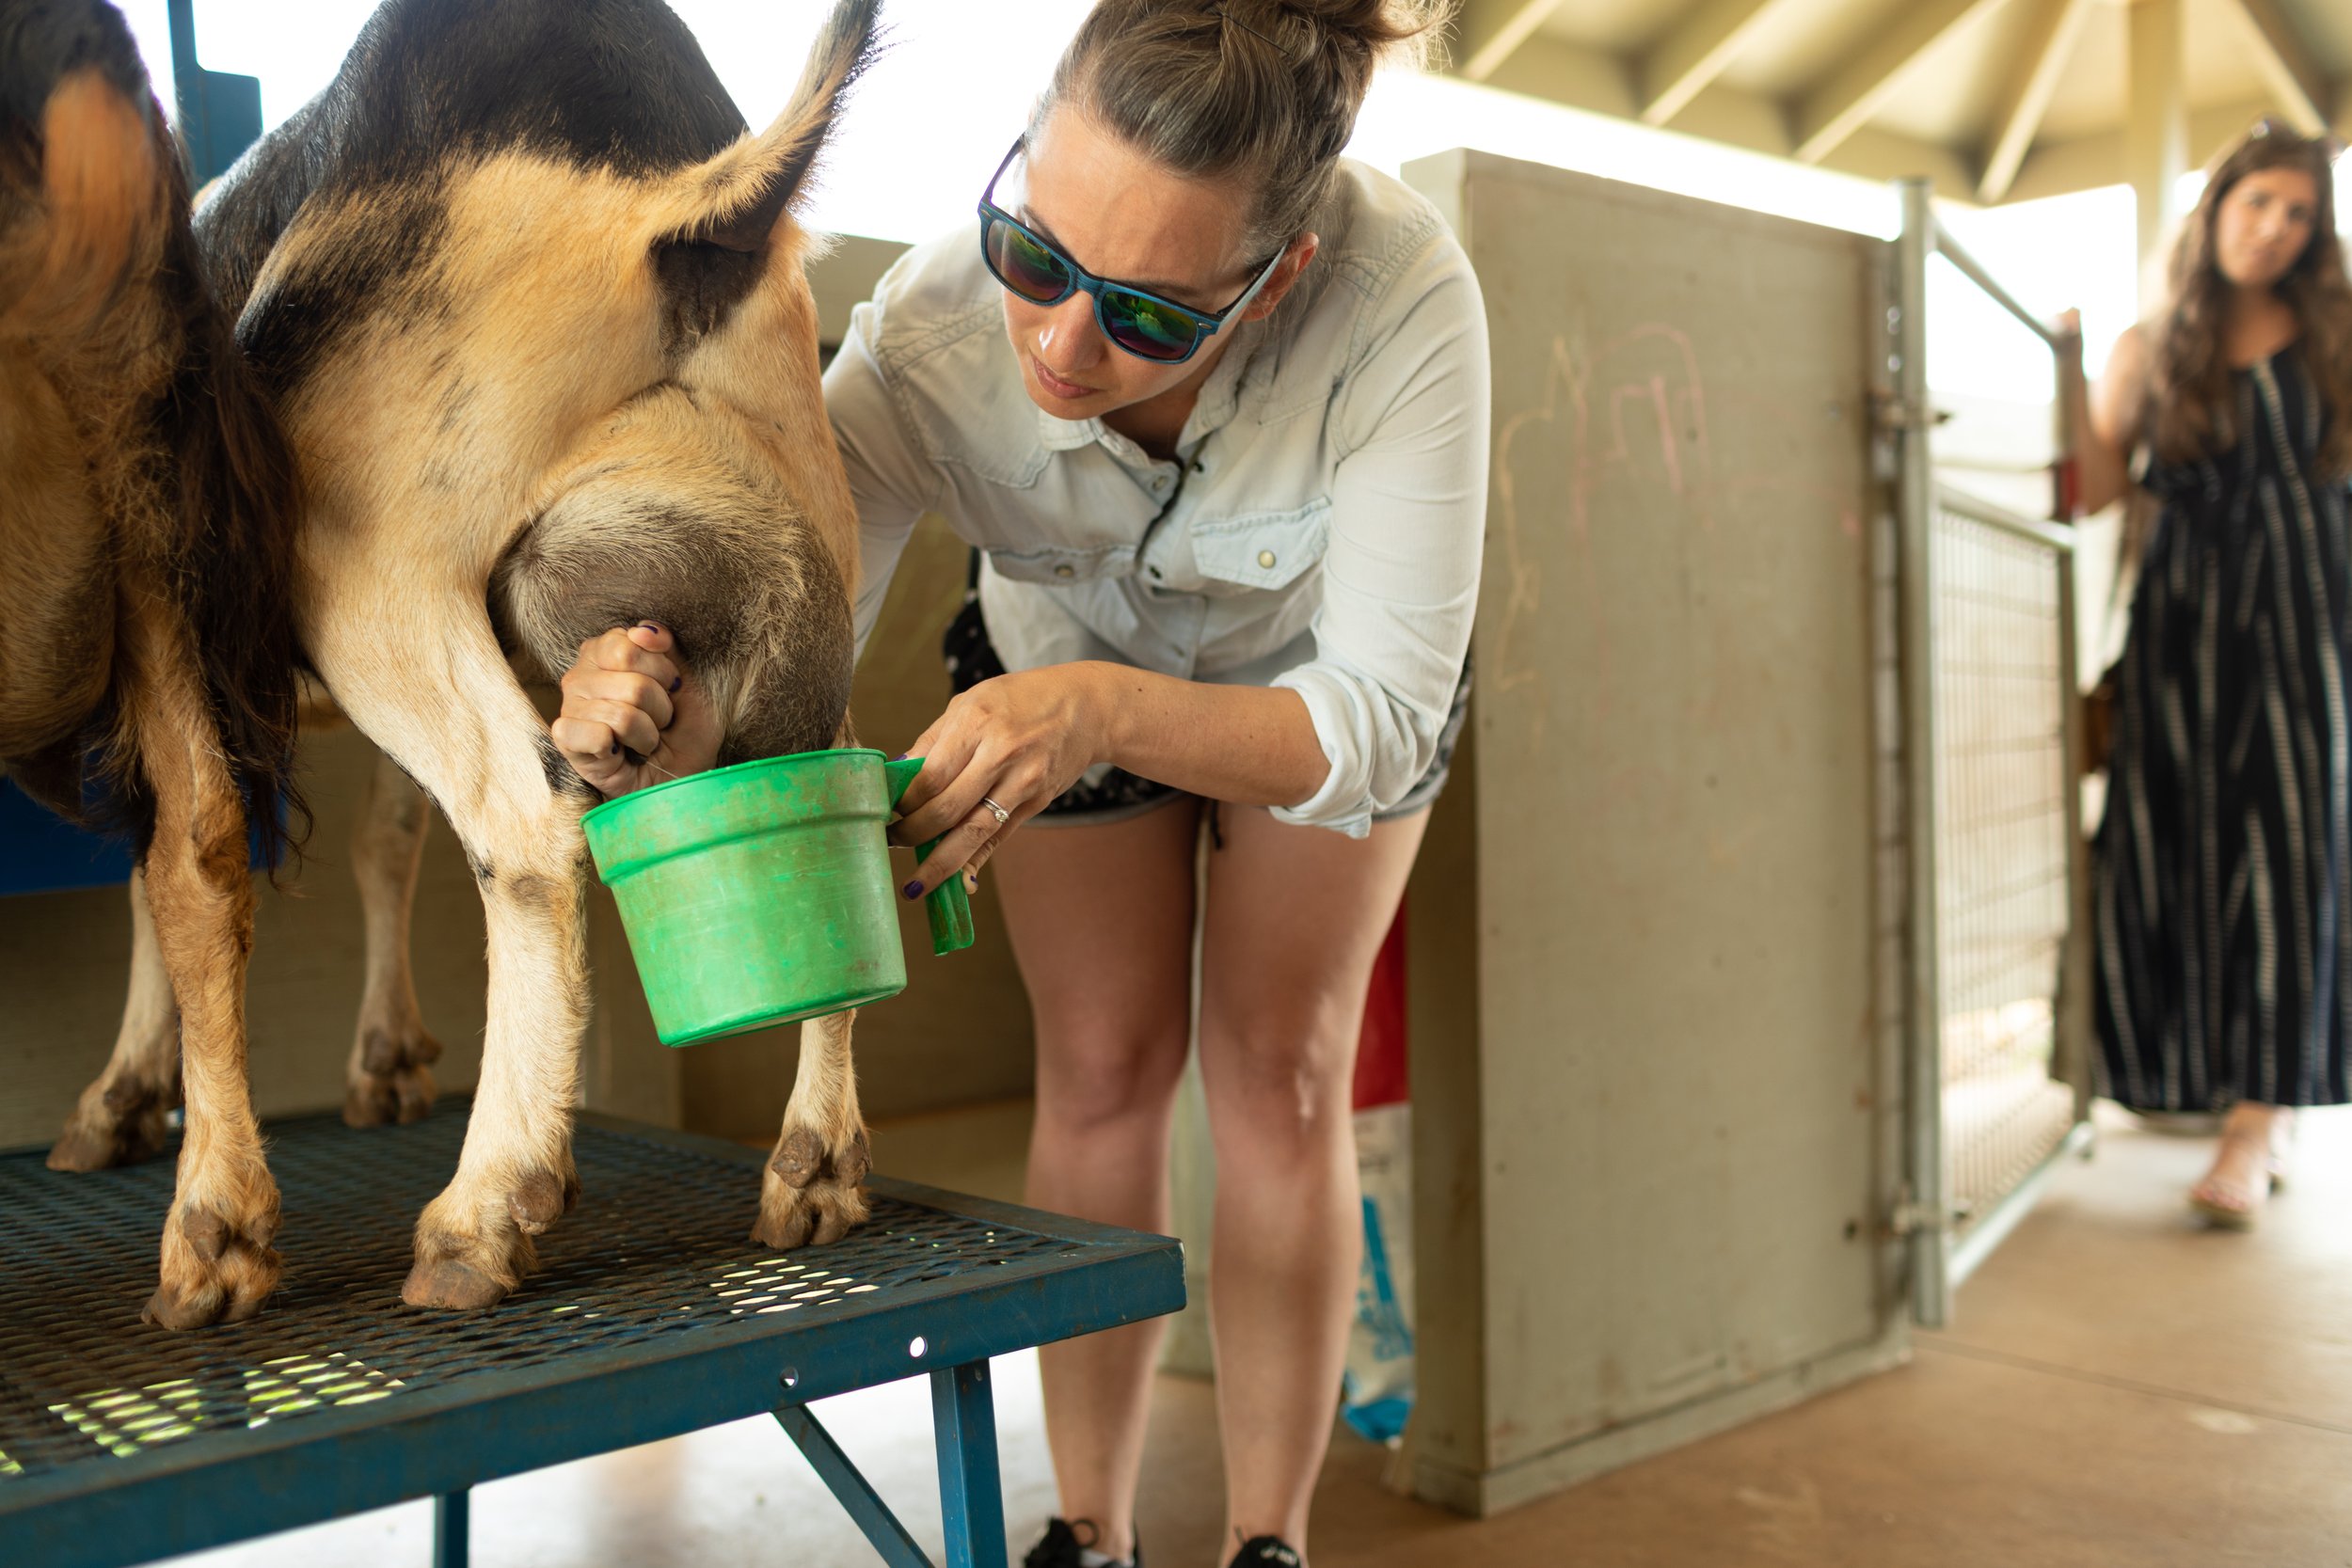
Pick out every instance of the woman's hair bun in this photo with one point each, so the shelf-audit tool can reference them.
(1265, 90)
(1380, 27)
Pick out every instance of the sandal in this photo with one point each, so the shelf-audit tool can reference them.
(2230, 1204)
(2280, 1157)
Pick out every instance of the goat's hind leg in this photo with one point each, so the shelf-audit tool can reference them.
(218, 1263)
(125, 1116)
(813, 1188)
(390, 1076)
(486, 760)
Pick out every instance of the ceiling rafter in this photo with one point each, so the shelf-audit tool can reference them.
(2057, 26)
(2287, 64)
(1837, 109)
(1486, 32)
(1682, 64)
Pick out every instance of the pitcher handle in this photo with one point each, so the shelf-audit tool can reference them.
(949, 908)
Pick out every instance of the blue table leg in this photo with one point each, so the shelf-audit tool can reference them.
(864, 1506)
(970, 1493)
(452, 1536)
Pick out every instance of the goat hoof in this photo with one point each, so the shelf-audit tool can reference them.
(811, 1196)
(391, 1079)
(217, 1268)
(451, 1286)
(129, 1123)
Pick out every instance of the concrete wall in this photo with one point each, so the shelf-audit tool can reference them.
(1654, 1153)
(65, 957)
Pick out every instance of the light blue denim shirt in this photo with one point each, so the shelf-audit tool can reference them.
(1320, 529)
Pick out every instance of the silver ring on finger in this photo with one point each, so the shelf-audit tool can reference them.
(1003, 815)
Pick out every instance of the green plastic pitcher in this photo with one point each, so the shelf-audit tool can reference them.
(761, 894)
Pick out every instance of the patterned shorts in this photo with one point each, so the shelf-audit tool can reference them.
(1118, 795)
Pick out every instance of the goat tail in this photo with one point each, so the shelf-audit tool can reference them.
(240, 502)
(93, 189)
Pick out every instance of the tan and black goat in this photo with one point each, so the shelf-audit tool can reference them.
(146, 663)
(529, 304)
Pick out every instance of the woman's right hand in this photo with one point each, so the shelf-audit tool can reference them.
(2068, 330)
(632, 714)
(2104, 417)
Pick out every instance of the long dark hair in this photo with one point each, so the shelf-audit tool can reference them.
(2192, 403)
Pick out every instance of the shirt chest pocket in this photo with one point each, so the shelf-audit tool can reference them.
(1061, 564)
(1263, 549)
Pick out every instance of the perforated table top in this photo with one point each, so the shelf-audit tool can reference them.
(653, 1314)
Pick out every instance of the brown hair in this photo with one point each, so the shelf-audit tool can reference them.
(2192, 403)
(1265, 92)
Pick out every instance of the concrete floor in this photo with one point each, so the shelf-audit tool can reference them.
(2119, 1387)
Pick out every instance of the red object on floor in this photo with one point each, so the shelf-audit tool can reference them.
(1381, 1077)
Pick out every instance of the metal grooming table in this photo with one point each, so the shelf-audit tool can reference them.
(652, 1315)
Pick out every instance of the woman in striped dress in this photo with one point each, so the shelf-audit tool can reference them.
(2224, 863)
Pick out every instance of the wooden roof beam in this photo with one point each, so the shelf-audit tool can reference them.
(2287, 64)
(2157, 128)
(1682, 65)
(1486, 32)
(2057, 25)
(1839, 108)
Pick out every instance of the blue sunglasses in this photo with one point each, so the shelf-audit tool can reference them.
(1138, 320)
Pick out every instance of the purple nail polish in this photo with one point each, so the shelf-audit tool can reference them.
(649, 625)
(617, 748)
(901, 758)
(675, 681)
(912, 890)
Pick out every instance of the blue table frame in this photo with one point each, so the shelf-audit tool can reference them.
(652, 1316)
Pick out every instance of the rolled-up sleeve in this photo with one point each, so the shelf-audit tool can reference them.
(1400, 575)
(891, 480)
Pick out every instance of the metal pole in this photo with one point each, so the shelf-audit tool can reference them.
(2075, 1019)
(1950, 250)
(971, 1492)
(219, 112)
(889, 1538)
(1915, 494)
(453, 1535)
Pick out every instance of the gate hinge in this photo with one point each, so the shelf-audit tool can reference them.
(1908, 1218)
(1893, 413)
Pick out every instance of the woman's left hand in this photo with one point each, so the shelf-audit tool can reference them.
(1017, 740)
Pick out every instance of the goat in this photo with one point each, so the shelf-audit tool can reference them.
(529, 300)
(147, 655)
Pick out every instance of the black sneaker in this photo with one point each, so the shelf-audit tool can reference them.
(1267, 1551)
(1063, 1546)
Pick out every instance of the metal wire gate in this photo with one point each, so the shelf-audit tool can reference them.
(1996, 1006)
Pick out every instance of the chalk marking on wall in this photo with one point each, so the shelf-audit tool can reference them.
(1672, 407)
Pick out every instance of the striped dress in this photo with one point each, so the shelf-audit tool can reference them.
(2224, 919)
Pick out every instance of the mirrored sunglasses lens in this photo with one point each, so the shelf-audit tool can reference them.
(1025, 267)
(1148, 327)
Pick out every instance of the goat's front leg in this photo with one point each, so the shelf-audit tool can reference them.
(125, 1116)
(218, 1262)
(450, 713)
(390, 1077)
(814, 1190)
